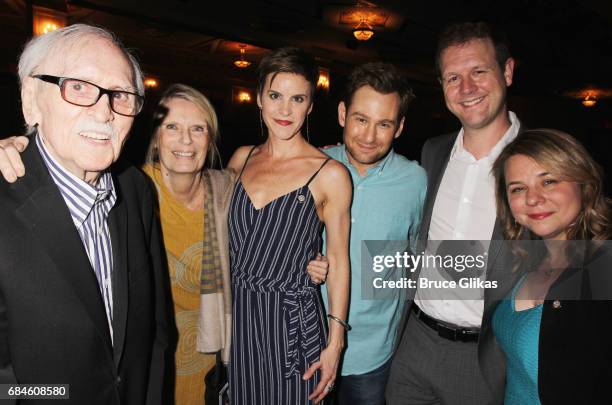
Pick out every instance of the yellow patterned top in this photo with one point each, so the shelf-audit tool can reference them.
(183, 231)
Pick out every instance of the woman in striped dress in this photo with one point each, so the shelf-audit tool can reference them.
(286, 190)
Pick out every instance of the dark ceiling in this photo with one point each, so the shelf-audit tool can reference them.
(561, 47)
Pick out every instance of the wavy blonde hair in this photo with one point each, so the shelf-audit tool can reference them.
(562, 155)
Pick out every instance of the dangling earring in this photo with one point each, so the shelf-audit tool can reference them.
(307, 135)
(261, 124)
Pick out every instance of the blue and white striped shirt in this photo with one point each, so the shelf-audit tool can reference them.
(89, 207)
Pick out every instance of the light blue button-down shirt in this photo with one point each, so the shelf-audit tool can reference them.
(387, 205)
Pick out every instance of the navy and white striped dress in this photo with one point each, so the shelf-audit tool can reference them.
(278, 328)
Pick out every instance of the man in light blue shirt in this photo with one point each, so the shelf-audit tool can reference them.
(389, 191)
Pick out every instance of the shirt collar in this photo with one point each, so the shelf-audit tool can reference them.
(81, 197)
(378, 169)
(509, 135)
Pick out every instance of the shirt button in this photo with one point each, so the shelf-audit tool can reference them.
(466, 200)
(352, 219)
(458, 234)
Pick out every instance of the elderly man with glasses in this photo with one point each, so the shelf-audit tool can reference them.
(82, 288)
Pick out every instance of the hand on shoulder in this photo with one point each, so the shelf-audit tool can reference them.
(11, 165)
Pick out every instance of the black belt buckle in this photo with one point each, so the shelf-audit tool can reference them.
(462, 335)
(446, 332)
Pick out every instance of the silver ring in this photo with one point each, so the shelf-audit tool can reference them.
(329, 387)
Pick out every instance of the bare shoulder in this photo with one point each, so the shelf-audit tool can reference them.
(336, 170)
(238, 158)
(332, 186)
(334, 176)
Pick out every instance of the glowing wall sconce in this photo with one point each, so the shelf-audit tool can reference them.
(46, 20)
(323, 82)
(242, 95)
(150, 83)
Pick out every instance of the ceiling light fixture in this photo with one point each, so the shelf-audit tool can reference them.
(589, 95)
(589, 100)
(363, 31)
(242, 62)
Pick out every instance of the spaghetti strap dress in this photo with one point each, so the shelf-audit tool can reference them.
(278, 329)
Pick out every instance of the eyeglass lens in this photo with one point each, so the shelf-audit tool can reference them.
(86, 94)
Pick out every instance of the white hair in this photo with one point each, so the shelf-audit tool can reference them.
(38, 49)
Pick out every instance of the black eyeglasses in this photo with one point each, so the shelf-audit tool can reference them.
(86, 94)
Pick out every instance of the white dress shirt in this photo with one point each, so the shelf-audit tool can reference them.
(464, 209)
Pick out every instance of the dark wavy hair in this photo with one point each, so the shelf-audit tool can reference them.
(564, 156)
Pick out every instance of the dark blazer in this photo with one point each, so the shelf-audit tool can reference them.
(575, 354)
(53, 326)
(434, 159)
(575, 348)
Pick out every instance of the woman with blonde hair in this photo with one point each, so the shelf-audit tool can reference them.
(193, 204)
(556, 323)
(563, 155)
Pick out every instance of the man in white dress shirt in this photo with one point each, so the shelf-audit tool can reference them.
(443, 356)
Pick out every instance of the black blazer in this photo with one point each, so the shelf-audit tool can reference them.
(53, 326)
(434, 159)
(575, 356)
(575, 346)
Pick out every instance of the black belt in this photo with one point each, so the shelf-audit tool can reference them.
(446, 331)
